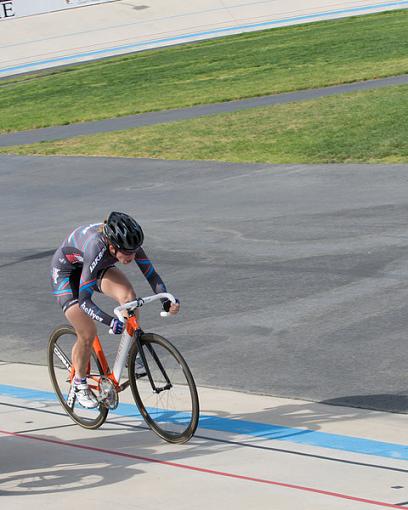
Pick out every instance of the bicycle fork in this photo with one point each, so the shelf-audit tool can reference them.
(156, 389)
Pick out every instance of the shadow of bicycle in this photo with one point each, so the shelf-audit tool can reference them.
(41, 462)
(31, 465)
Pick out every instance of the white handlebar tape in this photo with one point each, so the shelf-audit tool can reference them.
(142, 301)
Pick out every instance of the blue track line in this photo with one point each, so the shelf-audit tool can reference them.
(209, 33)
(252, 429)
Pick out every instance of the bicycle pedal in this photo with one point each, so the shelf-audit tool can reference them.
(109, 404)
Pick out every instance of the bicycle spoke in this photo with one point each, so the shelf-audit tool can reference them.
(169, 404)
(61, 343)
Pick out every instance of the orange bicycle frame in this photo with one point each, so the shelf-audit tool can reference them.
(131, 327)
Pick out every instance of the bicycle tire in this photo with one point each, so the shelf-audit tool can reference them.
(88, 419)
(154, 407)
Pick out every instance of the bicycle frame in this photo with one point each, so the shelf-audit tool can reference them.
(132, 328)
(131, 331)
(163, 389)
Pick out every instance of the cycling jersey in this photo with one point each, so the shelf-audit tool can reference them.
(79, 265)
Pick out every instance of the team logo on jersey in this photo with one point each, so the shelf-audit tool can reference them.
(97, 259)
(91, 313)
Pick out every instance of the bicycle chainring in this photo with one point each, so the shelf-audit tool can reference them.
(108, 395)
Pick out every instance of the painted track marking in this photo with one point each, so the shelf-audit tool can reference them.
(203, 470)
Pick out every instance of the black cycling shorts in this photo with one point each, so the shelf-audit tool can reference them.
(65, 286)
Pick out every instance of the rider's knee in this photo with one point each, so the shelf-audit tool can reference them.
(86, 335)
(126, 296)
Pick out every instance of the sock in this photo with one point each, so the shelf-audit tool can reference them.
(79, 380)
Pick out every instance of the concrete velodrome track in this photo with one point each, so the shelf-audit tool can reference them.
(249, 452)
(293, 279)
(88, 33)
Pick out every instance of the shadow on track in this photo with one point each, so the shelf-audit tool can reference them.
(35, 256)
(392, 403)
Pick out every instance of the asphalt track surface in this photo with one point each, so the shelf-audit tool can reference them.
(293, 278)
(148, 119)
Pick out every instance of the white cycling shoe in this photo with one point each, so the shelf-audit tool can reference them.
(84, 396)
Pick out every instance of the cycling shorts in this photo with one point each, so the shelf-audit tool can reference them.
(65, 285)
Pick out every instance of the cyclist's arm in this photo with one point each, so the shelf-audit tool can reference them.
(88, 285)
(144, 264)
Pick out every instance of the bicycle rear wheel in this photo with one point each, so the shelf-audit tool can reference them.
(60, 346)
(170, 407)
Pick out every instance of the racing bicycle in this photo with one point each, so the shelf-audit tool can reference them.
(165, 394)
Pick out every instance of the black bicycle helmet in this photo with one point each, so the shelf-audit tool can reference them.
(123, 231)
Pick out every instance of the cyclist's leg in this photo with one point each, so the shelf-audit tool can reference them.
(65, 285)
(115, 284)
(85, 329)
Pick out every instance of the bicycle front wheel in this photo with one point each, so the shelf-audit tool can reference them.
(60, 346)
(169, 401)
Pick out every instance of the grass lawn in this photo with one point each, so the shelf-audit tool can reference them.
(369, 127)
(247, 65)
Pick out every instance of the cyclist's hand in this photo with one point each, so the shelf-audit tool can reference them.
(117, 326)
(171, 308)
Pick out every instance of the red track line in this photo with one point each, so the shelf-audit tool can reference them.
(203, 470)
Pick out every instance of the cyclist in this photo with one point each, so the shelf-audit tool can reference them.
(84, 263)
